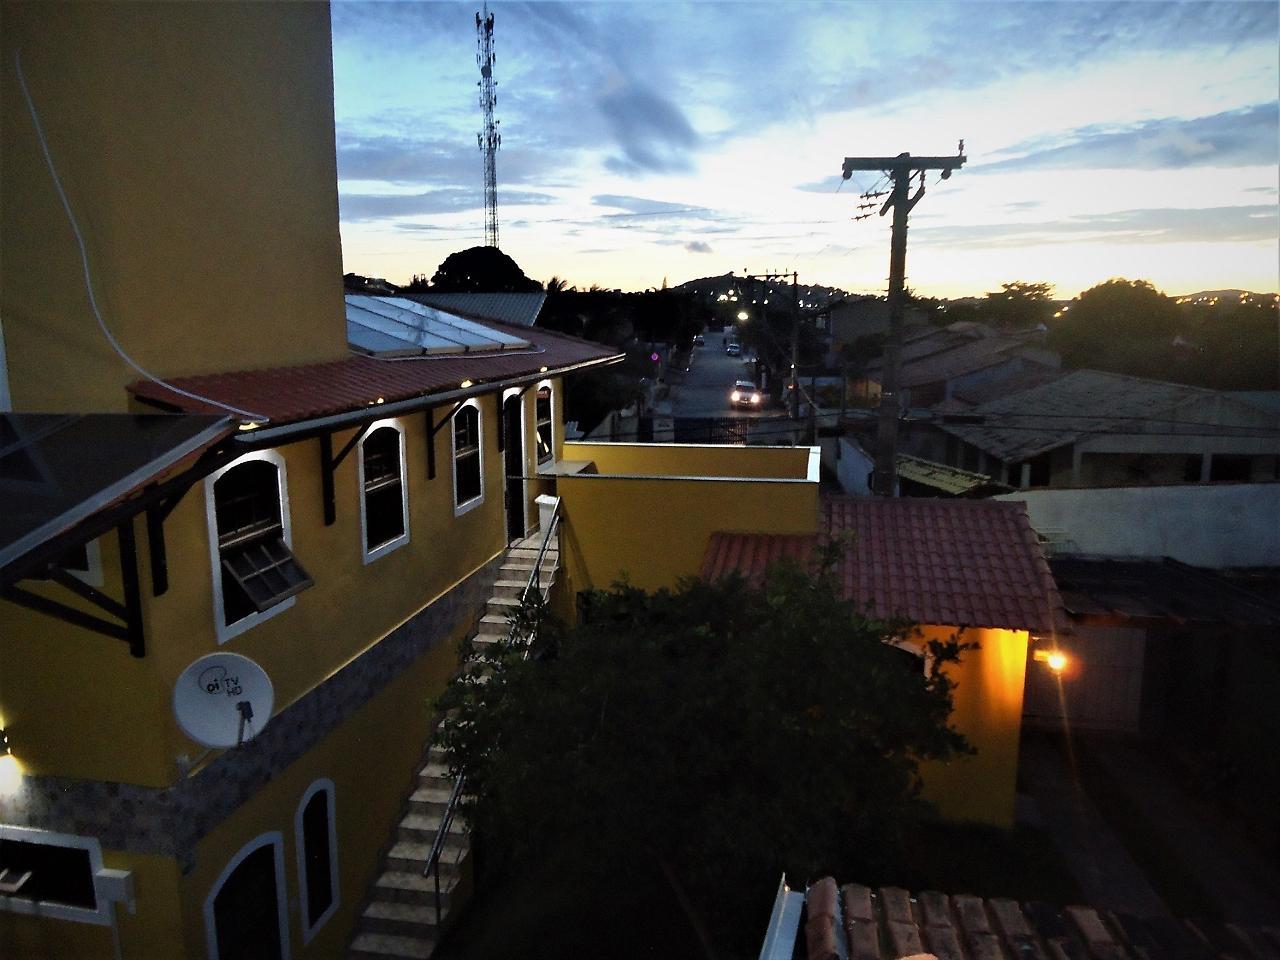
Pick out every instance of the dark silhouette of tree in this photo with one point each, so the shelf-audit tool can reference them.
(1125, 326)
(481, 270)
(710, 735)
(1019, 305)
(556, 285)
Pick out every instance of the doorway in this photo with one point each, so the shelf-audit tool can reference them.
(513, 465)
(244, 911)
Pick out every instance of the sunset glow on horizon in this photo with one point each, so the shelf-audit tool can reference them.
(643, 142)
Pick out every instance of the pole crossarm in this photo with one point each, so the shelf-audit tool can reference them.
(904, 161)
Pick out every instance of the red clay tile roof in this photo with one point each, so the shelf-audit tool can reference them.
(970, 563)
(290, 394)
(858, 922)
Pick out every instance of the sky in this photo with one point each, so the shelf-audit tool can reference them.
(653, 141)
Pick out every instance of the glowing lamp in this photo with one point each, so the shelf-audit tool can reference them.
(1055, 660)
(10, 768)
(743, 315)
(467, 383)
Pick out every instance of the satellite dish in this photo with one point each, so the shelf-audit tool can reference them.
(222, 700)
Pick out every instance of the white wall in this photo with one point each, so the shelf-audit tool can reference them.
(852, 467)
(1206, 525)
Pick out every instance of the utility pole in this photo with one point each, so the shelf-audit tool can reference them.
(900, 171)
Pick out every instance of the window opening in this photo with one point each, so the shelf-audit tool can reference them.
(43, 873)
(258, 569)
(385, 503)
(317, 856)
(546, 443)
(468, 482)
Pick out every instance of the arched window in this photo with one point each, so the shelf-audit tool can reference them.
(468, 460)
(545, 417)
(316, 833)
(244, 914)
(384, 492)
(255, 572)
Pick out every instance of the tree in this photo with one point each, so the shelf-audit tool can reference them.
(1125, 326)
(1019, 305)
(711, 735)
(481, 270)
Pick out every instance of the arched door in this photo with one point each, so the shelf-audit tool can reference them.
(513, 464)
(245, 913)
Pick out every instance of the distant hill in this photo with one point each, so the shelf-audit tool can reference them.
(1226, 296)
(728, 285)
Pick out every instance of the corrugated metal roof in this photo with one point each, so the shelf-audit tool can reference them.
(517, 309)
(291, 394)
(1079, 403)
(951, 480)
(947, 562)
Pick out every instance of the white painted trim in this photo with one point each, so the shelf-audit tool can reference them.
(460, 508)
(524, 450)
(276, 839)
(102, 916)
(325, 784)
(383, 549)
(226, 631)
(552, 390)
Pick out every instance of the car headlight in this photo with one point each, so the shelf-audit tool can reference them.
(735, 396)
(755, 398)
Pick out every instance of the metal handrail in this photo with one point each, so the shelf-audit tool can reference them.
(455, 796)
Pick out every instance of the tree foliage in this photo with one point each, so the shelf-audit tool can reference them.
(719, 732)
(480, 270)
(1126, 326)
(1019, 305)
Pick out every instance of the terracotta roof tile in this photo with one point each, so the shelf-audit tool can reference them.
(863, 924)
(290, 394)
(953, 562)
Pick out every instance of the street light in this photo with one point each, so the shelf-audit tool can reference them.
(743, 315)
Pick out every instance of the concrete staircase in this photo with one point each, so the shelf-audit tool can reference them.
(399, 918)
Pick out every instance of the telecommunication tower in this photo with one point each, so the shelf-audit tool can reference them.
(489, 139)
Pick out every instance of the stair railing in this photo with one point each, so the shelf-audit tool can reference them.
(534, 584)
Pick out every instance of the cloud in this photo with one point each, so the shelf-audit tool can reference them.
(1234, 138)
(652, 132)
(697, 246)
(644, 207)
(353, 207)
(825, 185)
(1160, 225)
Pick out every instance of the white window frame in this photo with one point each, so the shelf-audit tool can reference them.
(551, 390)
(460, 508)
(300, 844)
(226, 631)
(102, 916)
(383, 549)
(276, 839)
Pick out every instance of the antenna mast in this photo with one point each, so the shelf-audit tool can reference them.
(489, 139)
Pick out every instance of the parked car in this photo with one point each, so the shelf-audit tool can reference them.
(746, 394)
(699, 340)
(733, 349)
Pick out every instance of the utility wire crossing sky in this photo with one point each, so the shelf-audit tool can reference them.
(643, 141)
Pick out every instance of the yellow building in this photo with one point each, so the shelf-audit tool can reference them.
(296, 501)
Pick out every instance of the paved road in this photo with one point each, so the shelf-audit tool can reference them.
(704, 390)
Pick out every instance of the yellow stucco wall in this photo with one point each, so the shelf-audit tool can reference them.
(154, 930)
(655, 530)
(693, 460)
(75, 701)
(195, 142)
(988, 711)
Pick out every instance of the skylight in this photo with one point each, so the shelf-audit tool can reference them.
(395, 326)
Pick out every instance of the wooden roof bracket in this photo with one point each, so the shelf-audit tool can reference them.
(434, 428)
(328, 464)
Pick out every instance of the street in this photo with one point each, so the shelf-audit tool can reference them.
(703, 392)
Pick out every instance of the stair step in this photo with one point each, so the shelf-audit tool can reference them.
(422, 828)
(386, 945)
(400, 919)
(410, 886)
(426, 800)
(410, 856)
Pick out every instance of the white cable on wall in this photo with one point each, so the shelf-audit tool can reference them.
(256, 418)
